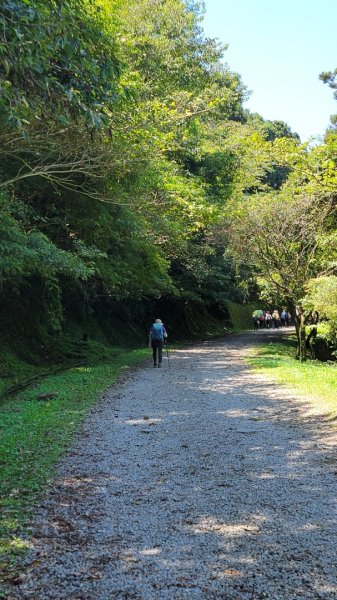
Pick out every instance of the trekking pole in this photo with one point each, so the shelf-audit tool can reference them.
(168, 356)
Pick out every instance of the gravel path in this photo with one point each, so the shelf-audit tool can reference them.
(198, 481)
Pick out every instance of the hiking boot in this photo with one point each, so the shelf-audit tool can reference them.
(154, 364)
(159, 365)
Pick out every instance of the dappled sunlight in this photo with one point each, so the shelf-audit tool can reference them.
(13, 544)
(265, 475)
(216, 363)
(309, 527)
(227, 529)
(231, 550)
(141, 421)
(326, 589)
(233, 413)
(151, 551)
(19, 544)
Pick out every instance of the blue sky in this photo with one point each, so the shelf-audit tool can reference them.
(279, 49)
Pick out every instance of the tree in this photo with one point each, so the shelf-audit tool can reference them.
(321, 296)
(278, 235)
(330, 77)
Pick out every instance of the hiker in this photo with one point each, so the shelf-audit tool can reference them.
(268, 319)
(284, 318)
(262, 321)
(276, 319)
(256, 316)
(156, 340)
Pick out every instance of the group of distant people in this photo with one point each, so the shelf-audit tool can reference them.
(261, 318)
(271, 320)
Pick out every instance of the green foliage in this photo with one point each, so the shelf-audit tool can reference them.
(14, 370)
(23, 253)
(123, 140)
(271, 130)
(241, 315)
(56, 58)
(278, 236)
(130, 166)
(330, 77)
(321, 296)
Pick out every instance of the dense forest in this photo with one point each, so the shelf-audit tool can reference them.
(134, 183)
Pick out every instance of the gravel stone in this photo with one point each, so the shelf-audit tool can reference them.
(200, 480)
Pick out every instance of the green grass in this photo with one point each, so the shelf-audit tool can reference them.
(241, 315)
(35, 433)
(316, 381)
(13, 371)
(67, 351)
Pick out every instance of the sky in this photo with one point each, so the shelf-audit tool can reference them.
(279, 49)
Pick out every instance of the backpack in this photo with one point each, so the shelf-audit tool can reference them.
(157, 332)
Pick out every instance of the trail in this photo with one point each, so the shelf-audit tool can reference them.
(198, 481)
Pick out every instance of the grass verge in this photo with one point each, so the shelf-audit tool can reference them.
(312, 379)
(34, 434)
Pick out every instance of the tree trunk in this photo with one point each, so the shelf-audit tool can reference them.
(310, 342)
(300, 333)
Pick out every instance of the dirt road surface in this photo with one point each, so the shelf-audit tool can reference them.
(200, 480)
